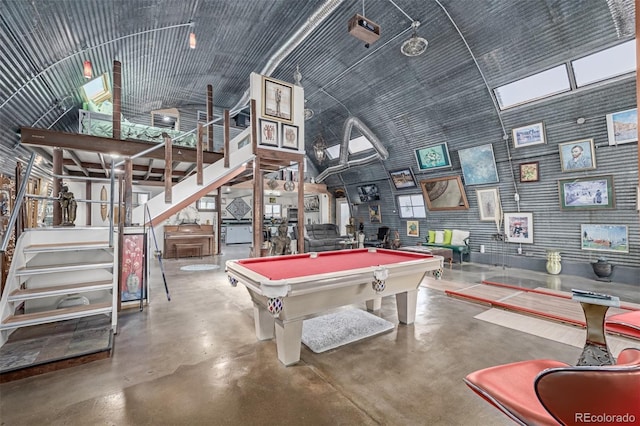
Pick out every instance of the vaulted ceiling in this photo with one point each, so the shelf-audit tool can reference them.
(407, 102)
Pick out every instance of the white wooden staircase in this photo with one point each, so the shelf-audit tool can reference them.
(59, 274)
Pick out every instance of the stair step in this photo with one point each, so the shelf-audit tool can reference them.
(58, 247)
(37, 293)
(47, 269)
(44, 317)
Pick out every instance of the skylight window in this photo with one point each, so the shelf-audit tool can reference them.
(608, 63)
(359, 144)
(333, 152)
(537, 86)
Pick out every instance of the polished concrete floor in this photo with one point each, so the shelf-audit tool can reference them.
(195, 360)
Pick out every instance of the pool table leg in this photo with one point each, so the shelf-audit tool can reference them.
(288, 341)
(374, 304)
(406, 303)
(264, 322)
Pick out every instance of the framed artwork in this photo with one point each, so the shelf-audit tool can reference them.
(478, 165)
(622, 127)
(268, 133)
(444, 193)
(433, 157)
(368, 193)
(532, 134)
(518, 227)
(489, 204)
(289, 136)
(403, 178)
(413, 228)
(374, 214)
(613, 238)
(577, 155)
(594, 192)
(530, 172)
(133, 267)
(206, 203)
(311, 203)
(277, 100)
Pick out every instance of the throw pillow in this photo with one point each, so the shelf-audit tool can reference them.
(432, 237)
(439, 237)
(458, 237)
(447, 237)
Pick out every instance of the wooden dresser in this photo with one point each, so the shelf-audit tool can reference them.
(188, 240)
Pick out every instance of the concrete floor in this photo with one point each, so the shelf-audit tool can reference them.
(195, 361)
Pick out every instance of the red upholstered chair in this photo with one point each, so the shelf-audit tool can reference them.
(627, 324)
(547, 392)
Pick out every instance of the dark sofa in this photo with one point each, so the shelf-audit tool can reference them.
(322, 237)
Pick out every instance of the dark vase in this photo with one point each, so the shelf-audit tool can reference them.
(603, 269)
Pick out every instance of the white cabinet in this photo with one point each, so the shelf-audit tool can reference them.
(237, 234)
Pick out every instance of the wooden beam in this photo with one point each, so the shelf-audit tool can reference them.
(103, 163)
(167, 168)
(199, 178)
(210, 117)
(76, 160)
(87, 196)
(149, 169)
(124, 148)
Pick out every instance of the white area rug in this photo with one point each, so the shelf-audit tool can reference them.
(552, 330)
(200, 267)
(326, 332)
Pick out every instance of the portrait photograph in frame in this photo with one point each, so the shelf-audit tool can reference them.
(268, 132)
(518, 227)
(413, 228)
(530, 172)
(289, 136)
(593, 192)
(403, 179)
(489, 204)
(444, 193)
(277, 100)
(596, 237)
(532, 134)
(577, 155)
(478, 165)
(622, 127)
(433, 157)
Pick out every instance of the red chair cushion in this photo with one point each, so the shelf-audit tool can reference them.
(510, 388)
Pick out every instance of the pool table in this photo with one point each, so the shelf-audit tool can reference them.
(285, 290)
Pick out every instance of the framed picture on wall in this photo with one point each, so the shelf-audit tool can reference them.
(413, 228)
(597, 237)
(518, 227)
(133, 267)
(529, 172)
(489, 204)
(268, 133)
(533, 134)
(289, 136)
(595, 192)
(277, 100)
(374, 214)
(577, 155)
(403, 178)
(622, 127)
(478, 165)
(433, 157)
(444, 193)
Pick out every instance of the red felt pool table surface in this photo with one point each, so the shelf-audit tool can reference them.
(302, 265)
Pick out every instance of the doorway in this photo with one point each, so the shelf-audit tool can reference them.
(342, 215)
